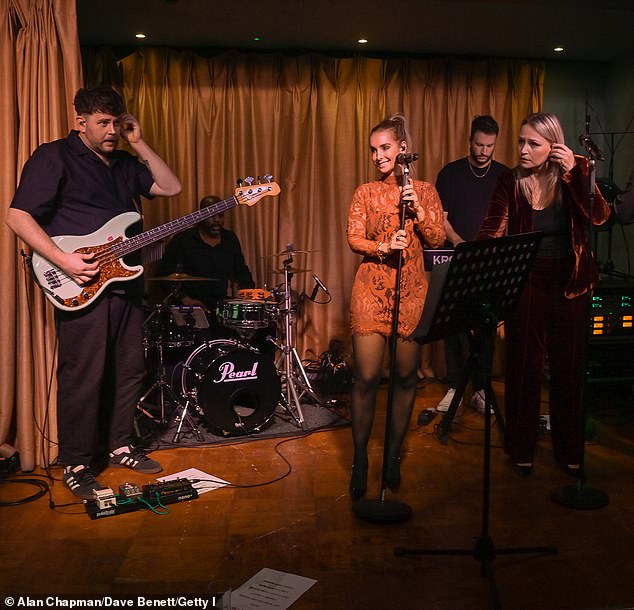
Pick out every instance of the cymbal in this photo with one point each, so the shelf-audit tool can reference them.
(181, 277)
(291, 252)
(291, 270)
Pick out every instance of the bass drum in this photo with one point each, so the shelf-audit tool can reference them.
(236, 387)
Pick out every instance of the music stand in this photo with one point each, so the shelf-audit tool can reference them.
(191, 317)
(479, 287)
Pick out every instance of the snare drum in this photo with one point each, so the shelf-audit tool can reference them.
(247, 315)
(236, 387)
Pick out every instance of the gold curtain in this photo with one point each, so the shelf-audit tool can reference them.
(306, 120)
(41, 70)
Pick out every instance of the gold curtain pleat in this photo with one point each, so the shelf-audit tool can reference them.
(41, 70)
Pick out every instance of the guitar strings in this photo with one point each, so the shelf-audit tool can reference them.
(113, 252)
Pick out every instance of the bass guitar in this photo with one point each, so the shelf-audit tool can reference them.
(110, 244)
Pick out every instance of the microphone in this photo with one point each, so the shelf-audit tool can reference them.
(593, 150)
(403, 158)
(318, 284)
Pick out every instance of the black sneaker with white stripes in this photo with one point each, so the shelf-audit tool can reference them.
(81, 481)
(134, 459)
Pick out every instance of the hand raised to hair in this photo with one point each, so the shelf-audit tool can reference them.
(560, 153)
(130, 129)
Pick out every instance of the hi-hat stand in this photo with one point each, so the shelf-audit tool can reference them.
(479, 287)
(295, 382)
(160, 383)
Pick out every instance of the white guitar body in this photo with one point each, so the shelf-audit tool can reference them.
(63, 291)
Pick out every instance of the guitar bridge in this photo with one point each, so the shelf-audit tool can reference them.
(52, 278)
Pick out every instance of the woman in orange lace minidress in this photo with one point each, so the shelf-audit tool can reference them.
(373, 231)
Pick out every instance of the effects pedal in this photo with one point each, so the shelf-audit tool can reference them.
(130, 491)
(104, 498)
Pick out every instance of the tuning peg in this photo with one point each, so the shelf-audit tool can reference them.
(268, 177)
(239, 181)
(249, 180)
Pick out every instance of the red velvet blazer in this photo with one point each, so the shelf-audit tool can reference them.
(510, 213)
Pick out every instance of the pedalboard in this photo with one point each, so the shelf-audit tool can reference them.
(153, 496)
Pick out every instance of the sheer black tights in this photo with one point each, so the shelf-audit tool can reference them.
(369, 353)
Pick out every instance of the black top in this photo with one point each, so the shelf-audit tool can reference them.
(465, 197)
(552, 222)
(69, 190)
(188, 253)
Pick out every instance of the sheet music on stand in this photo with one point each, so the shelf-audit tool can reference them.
(190, 316)
(488, 271)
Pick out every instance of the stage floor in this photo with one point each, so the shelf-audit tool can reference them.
(303, 523)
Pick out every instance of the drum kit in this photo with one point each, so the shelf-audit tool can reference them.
(230, 368)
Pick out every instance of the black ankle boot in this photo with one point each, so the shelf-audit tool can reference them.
(393, 473)
(359, 480)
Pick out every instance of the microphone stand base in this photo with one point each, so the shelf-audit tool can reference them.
(579, 498)
(383, 511)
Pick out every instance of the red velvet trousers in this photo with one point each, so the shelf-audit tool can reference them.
(546, 324)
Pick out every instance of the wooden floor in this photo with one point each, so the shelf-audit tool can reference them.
(303, 524)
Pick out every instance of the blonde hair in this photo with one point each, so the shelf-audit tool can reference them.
(397, 124)
(549, 127)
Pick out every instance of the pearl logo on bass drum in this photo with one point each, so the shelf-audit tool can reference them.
(228, 373)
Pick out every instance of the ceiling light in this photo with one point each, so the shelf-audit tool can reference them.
(558, 49)
(362, 41)
(139, 35)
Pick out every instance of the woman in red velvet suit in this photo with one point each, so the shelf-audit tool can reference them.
(549, 192)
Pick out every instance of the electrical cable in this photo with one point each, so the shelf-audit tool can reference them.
(43, 489)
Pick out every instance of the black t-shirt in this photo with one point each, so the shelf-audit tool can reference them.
(188, 253)
(465, 197)
(70, 191)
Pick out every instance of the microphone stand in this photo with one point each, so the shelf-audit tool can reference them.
(383, 510)
(580, 496)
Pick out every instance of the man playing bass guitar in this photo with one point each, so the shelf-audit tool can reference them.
(73, 186)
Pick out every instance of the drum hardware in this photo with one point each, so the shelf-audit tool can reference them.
(181, 277)
(291, 270)
(160, 382)
(295, 382)
(186, 416)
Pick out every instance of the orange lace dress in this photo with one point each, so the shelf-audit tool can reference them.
(373, 218)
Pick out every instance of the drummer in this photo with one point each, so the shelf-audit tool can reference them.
(207, 250)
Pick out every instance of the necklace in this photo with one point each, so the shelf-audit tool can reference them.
(486, 171)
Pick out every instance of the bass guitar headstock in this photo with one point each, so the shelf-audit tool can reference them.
(250, 190)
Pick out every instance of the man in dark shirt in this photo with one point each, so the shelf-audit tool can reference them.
(73, 186)
(211, 251)
(465, 187)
